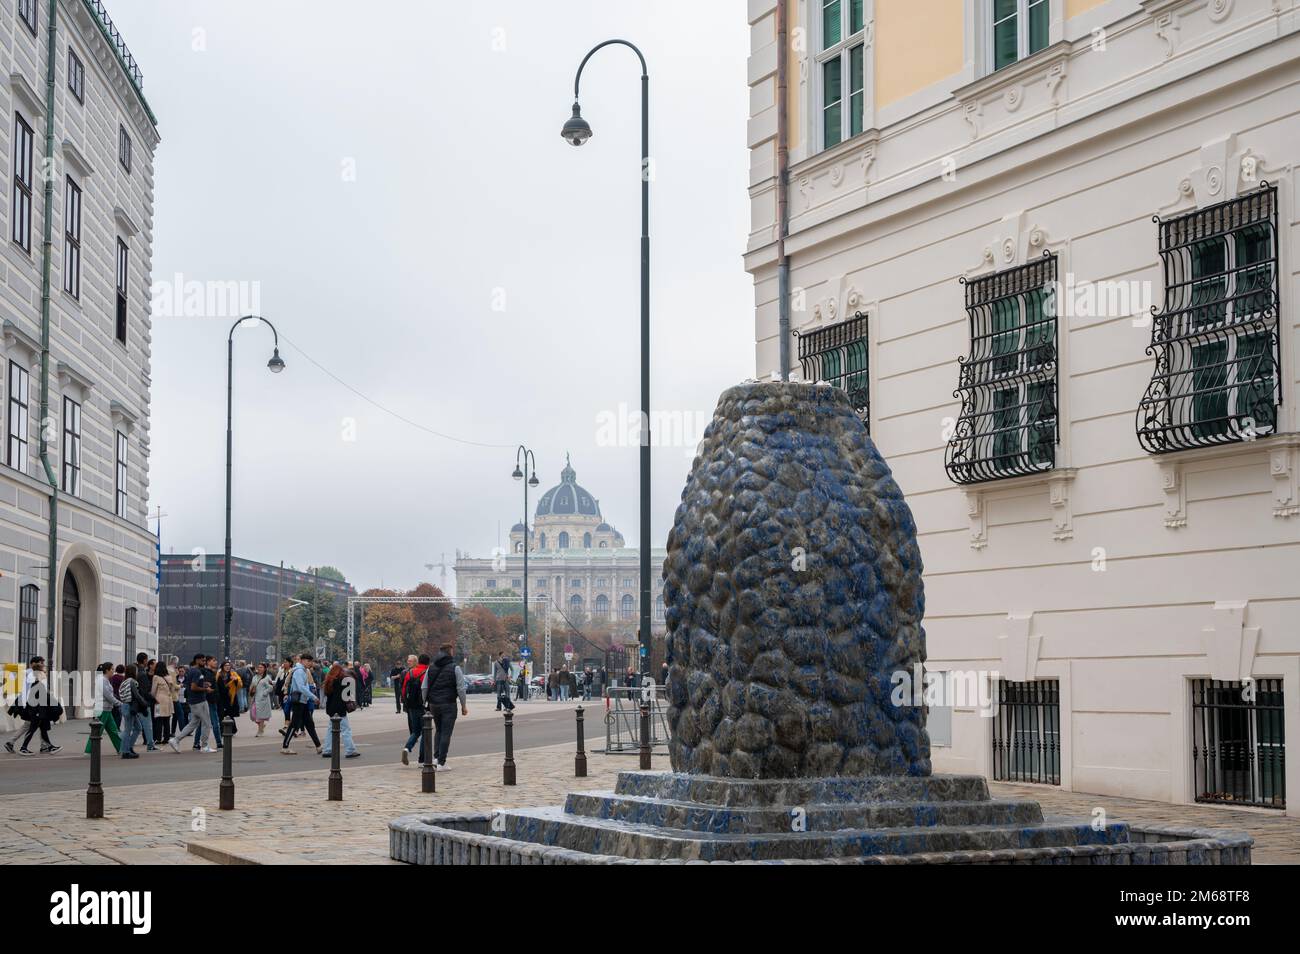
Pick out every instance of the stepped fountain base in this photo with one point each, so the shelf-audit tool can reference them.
(668, 818)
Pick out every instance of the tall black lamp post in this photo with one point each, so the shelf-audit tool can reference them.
(529, 471)
(276, 364)
(576, 132)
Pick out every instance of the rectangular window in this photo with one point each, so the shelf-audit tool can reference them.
(76, 76)
(21, 225)
(1019, 29)
(28, 607)
(1027, 732)
(71, 238)
(71, 447)
(18, 417)
(124, 148)
(27, 13)
(1216, 341)
(128, 636)
(121, 474)
(837, 354)
(842, 60)
(123, 269)
(1007, 385)
(491, 584)
(1238, 746)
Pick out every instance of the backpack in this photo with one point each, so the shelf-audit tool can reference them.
(412, 699)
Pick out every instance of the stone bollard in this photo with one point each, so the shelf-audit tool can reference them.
(428, 775)
(336, 773)
(645, 736)
(95, 790)
(580, 758)
(227, 764)
(508, 767)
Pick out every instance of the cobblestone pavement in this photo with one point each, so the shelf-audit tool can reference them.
(1277, 837)
(286, 818)
(281, 819)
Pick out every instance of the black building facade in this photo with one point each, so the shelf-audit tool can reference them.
(191, 601)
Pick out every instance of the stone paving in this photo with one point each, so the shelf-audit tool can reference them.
(286, 818)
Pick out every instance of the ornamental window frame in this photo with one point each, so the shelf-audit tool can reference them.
(1214, 305)
(20, 210)
(1009, 425)
(840, 355)
(853, 37)
(18, 418)
(70, 482)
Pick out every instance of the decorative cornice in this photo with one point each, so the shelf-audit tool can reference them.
(77, 159)
(1016, 74)
(68, 373)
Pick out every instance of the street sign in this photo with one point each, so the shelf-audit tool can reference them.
(526, 653)
(568, 649)
(645, 650)
(568, 657)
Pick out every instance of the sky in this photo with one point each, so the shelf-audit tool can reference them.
(387, 185)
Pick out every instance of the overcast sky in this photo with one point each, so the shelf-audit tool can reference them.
(391, 179)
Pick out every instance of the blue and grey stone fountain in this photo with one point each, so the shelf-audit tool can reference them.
(793, 594)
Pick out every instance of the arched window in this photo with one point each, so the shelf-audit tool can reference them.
(575, 602)
(564, 540)
(519, 547)
(541, 542)
(602, 606)
(586, 541)
(604, 545)
(627, 607)
(28, 606)
(128, 642)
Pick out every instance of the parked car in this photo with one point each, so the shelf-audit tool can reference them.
(478, 682)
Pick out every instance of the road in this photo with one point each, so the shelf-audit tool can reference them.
(378, 731)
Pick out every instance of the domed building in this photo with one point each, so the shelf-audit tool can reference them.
(575, 557)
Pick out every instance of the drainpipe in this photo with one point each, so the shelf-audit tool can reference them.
(46, 254)
(782, 191)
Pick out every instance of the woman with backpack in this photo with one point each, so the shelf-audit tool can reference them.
(135, 710)
(340, 699)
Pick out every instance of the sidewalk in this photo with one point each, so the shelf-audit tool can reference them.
(281, 819)
(286, 819)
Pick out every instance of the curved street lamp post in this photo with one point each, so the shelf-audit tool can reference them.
(276, 364)
(577, 131)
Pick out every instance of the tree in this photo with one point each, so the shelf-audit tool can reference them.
(329, 572)
(389, 635)
(307, 625)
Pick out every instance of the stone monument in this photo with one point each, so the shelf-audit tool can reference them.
(793, 596)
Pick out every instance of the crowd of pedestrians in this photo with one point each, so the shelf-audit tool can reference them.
(151, 702)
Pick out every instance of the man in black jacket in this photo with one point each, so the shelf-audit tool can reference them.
(443, 685)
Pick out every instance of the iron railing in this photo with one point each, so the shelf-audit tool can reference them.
(119, 44)
(1238, 744)
(1027, 732)
(1216, 342)
(837, 354)
(1008, 424)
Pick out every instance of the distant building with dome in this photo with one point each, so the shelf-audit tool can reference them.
(575, 557)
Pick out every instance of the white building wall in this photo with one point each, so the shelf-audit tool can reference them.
(86, 362)
(1071, 151)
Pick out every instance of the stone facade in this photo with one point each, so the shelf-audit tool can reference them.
(101, 127)
(1120, 578)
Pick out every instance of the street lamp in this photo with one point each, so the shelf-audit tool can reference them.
(525, 456)
(576, 131)
(276, 365)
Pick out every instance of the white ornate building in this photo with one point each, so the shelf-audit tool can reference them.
(77, 560)
(575, 558)
(963, 212)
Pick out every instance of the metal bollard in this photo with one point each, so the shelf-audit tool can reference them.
(428, 776)
(645, 736)
(580, 759)
(336, 774)
(95, 791)
(227, 769)
(508, 767)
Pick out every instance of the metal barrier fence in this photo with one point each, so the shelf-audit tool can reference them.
(623, 718)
